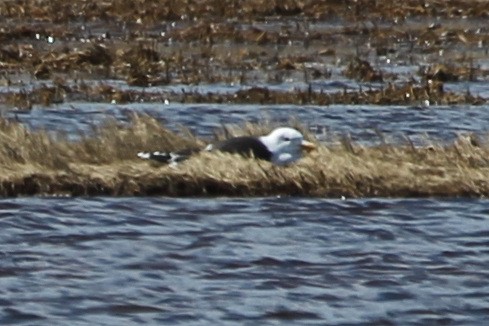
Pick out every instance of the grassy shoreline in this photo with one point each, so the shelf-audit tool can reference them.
(34, 163)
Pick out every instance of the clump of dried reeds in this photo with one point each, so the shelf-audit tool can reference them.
(104, 163)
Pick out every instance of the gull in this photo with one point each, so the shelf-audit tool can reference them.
(283, 146)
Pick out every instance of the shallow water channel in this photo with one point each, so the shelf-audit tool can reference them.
(363, 123)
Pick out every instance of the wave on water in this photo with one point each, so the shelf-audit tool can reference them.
(264, 260)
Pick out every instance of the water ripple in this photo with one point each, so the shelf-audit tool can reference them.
(362, 123)
(113, 261)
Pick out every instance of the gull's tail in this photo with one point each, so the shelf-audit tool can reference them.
(167, 157)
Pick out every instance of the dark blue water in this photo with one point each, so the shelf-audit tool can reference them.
(262, 261)
(362, 123)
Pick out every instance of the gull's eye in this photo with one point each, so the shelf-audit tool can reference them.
(285, 138)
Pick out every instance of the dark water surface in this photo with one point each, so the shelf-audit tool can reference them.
(262, 261)
(362, 123)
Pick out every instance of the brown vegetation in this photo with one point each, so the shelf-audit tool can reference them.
(35, 163)
(157, 43)
(431, 92)
(151, 11)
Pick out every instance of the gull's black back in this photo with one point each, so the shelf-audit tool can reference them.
(245, 146)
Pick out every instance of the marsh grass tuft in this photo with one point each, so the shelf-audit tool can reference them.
(104, 163)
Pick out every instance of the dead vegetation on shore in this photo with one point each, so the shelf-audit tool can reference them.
(36, 163)
(151, 11)
(429, 93)
(67, 48)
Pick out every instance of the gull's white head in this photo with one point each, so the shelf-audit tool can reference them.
(286, 145)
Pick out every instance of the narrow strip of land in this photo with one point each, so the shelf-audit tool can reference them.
(34, 163)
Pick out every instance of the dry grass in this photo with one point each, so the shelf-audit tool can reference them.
(35, 163)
